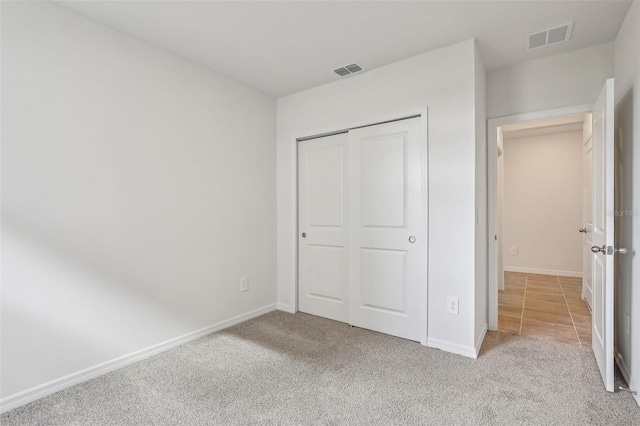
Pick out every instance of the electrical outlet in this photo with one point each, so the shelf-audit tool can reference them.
(452, 305)
(514, 251)
(244, 284)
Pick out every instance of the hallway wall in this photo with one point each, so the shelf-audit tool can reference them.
(542, 204)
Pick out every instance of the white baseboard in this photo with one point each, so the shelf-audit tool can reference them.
(480, 339)
(453, 348)
(543, 271)
(622, 365)
(35, 393)
(285, 307)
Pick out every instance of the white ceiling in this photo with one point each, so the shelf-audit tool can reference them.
(281, 48)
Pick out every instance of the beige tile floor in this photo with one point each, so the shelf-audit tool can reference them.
(545, 306)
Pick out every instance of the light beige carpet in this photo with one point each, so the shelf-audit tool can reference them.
(300, 369)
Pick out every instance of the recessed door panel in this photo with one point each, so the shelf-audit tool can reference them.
(587, 259)
(324, 167)
(382, 177)
(599, 214)
(325, 272)
(598, 290)
(383, 279)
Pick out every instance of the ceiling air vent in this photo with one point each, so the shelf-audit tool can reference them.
(348, 69)
(548, 37)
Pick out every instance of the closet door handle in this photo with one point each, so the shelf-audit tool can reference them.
(412, 239)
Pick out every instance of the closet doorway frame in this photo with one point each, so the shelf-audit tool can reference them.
(422, 114)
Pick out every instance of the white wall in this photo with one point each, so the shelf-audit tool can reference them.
(543, 203)
(443, 81)
(137, 189)
(627, 81)
(568, 79)
(481, 200)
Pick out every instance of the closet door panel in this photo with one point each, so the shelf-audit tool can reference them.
(322, 219)
(387, 236)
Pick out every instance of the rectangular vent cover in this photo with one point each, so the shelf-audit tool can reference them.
(348, 69)
(548, 37)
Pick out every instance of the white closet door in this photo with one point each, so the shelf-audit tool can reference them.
(322, 224)
(387, 238)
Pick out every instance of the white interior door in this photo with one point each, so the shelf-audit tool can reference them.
(587, 211)
(603, 233)
(387, 255)
(322, 223)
